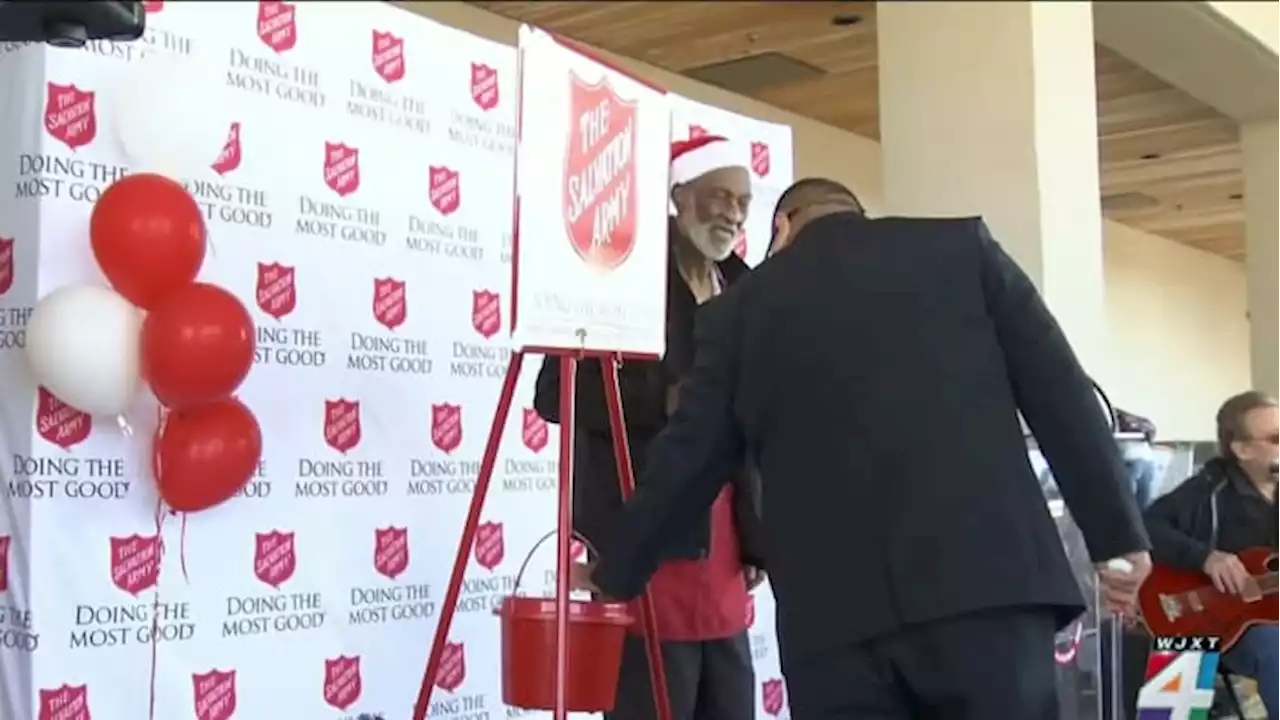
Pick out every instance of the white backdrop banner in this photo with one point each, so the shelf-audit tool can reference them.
(361, 208)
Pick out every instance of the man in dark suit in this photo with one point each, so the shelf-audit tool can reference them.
(700, 590)
(873, 371)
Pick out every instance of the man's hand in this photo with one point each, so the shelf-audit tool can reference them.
(580, 577)
(1227, 573)
(753, 575)
(1120, 587)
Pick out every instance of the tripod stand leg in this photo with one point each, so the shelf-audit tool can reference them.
(564, 512)
(468, 535)
(627, 484)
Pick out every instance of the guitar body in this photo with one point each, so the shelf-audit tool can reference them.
(1186, 603)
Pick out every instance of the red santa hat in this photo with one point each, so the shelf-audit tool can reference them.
(693, 158)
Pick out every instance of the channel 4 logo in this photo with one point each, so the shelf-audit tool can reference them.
(1179, 680)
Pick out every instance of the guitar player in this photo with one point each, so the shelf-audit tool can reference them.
(1227, 507)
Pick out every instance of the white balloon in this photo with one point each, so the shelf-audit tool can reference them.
(172, 116)
(82, 344)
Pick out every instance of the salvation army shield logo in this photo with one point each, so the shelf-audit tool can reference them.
(772, 696)
(70, 115)
(740, 244)
(59, 423)
(276, 291)
(152, 6)
(446, 427)
(229, 158)
(341, 168)
(490, 547)
(215, 694)
(453, 667)
(135, 562)
(534, 431)
(760, 159)
(600, 174)
(275, 557)
(277, 25)
(486, 313)
(484, 86)
(751, 611)
(69, 702)
(342, 424)
(6, 265)
(388, 56)
(342, 683)
(5, 541)
(391, 551)
(389, 307)
(444, 190)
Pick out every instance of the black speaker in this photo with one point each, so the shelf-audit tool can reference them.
(71, 24)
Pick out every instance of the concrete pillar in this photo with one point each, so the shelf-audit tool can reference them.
(1262, 251)
(990, 109)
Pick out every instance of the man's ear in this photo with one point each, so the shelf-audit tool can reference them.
(678, 193)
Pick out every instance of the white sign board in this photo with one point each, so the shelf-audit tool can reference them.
(592, 161)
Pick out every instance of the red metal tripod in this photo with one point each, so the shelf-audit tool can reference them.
(568, 359)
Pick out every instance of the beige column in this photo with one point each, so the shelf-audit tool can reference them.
(989, 108)
(1262, 251)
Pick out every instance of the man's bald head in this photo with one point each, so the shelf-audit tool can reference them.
(805, 201)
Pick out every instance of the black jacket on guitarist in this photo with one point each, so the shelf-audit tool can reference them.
(1215, 509)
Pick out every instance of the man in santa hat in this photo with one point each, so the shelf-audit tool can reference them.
(701, 591)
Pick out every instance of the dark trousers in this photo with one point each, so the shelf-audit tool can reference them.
(992, 665)
(708, 680)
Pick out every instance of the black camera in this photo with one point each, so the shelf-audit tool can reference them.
(71, 24)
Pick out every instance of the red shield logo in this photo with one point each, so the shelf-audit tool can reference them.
(697, 131)
(342, 684)
(342, 424)
(534, 433)
(751, 611)
(740, 244)
(58, 422)
(446, 426)
(70, 115)
(69, 702)
(215, 694)
(388, 56)
(484, 86)
(391, 551)
(274, 557)
(341, 168)
(772, 696)
(490, 548)
(486, 313)
(389, 307)
(135, 562)
(5, 540)
(277, 291)
(445, 191)
(600, 175)
(6, 265)
(277, 25)
(229, 158)
(153, 6)
(453, 667)
(760, 158)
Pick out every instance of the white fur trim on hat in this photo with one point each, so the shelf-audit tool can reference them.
(699, 161)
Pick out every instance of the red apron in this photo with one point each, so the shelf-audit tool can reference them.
(702, 599)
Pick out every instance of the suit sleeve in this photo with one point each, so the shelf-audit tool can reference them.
(590, 408)
(1057, 400)
(746, 517)
(1167, 517)
(687, 464)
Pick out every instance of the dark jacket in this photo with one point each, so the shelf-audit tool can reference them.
(1215, 509)
(873, 372)
(597, 499)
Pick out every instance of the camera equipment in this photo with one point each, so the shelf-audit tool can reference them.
(71, 24)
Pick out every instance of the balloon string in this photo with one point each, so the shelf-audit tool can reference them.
(155, 612)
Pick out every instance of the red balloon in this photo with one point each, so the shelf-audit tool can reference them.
(148, 237)
(203, 456)
(197, 346)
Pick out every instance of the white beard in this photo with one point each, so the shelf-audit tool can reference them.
(706, 243)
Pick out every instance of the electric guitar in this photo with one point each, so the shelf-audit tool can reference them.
(1176, 602)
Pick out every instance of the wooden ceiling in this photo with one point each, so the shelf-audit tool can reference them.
(1170, 164)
